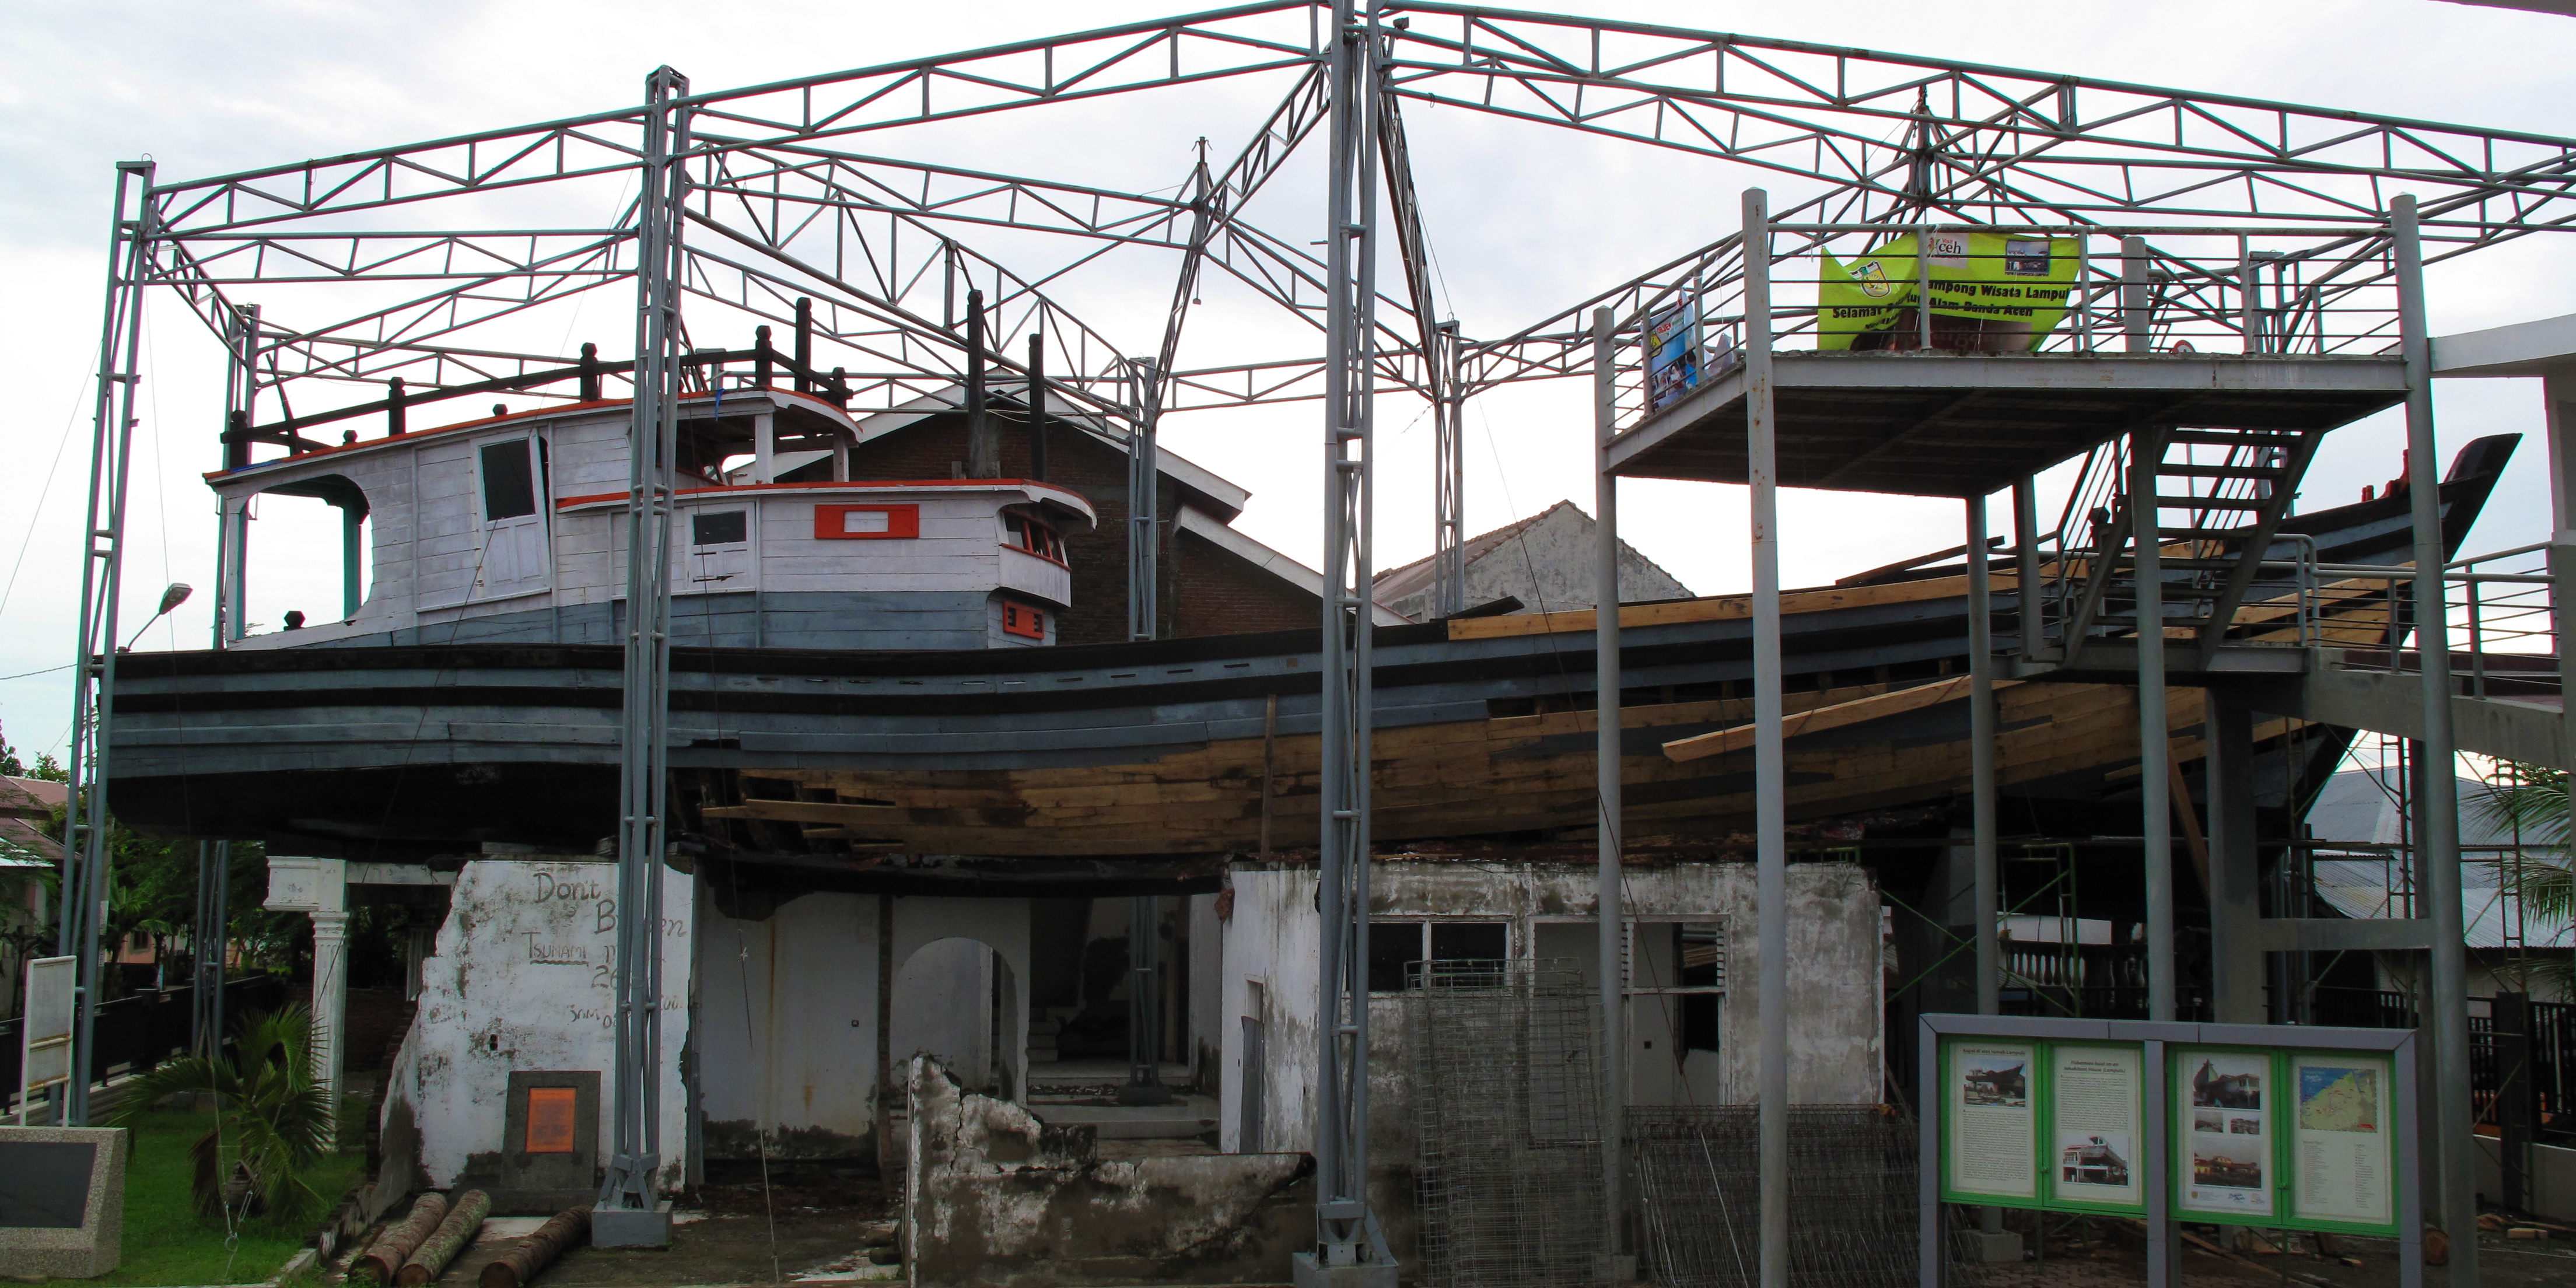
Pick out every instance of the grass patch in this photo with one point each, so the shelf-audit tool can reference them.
(166, 1243)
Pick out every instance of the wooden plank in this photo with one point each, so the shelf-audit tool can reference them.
(1858, 711)
(1720, 608)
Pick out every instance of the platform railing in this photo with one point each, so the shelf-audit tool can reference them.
(2497, 603)
(2321, 290)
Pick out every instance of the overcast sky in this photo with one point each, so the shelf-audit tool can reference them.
(1523, 220)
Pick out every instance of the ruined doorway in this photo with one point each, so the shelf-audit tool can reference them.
(957, 1001)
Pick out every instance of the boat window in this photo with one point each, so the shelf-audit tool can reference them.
(509, 481)
(721, 528)
(1023, 620)
(1020, 532)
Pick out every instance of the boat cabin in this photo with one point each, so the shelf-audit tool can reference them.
(507, 530)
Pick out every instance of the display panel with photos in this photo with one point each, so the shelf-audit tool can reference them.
(2302, 1139)
(2046, 1124)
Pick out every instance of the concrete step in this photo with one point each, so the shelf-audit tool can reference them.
(1187, 1116)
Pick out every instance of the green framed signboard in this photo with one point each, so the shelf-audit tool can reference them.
(2044, 1123)
(2284, 1138)
(2292, 1127)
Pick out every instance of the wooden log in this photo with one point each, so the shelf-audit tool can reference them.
(393, 1247)
(557, 1236)
(451, 1237)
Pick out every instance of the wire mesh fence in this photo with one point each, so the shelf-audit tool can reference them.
(1852, 1185)
(1506, 1107)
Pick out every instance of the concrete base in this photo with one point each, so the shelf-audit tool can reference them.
(1615, 1270)
(1994, 1247)
(69, 1185)
(613, 1228)
(1305, 1272)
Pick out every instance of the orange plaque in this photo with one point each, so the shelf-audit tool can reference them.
(550, 1115)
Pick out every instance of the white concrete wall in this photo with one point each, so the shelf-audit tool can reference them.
(1835, 997)
(524, 979)
(797, 1064)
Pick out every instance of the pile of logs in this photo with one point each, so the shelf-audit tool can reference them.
(420, 1247)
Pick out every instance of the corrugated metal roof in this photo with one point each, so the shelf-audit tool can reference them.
(2360, 888)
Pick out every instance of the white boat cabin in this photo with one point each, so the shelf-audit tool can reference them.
(509, 530)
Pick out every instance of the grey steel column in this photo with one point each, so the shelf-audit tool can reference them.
(628, 1213)
(2031, 616)
(1981, 760)
(2137, 315)
(1770, 781)
(207, 935)
(1348, 1246)
(1144, 1004)
(2558, 402)
(1144, 499)
(85, 824)
(2235, 905)
(1610, 904)
(2438, 834)
(2155, 799)
(1449, 476)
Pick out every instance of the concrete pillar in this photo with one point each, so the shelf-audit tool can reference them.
(319, 888)
(2558, 401)
(2236, 957)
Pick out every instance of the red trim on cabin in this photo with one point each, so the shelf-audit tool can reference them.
(558, 409)
(848, 484)
(832, 524)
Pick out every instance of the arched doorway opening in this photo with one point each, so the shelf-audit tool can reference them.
(957, 1000)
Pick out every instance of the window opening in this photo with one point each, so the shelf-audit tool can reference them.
(1021, 532)
(721, 528)
(1023, 621)
(1394, 945)
(509, 481)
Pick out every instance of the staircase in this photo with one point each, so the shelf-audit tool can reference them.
(2230, 489)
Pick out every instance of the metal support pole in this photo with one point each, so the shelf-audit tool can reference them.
(2235, 881)
(2438, 832)
(1981, 759)
(207, 938)
(85, 853)
(352, 525)
(232, 520)
(1144, 1015)
(2558, 406)
(1349, 1248)
(1037, 406)
(983, 437)
(2136, 312)
(1608, 849)
(1770, 782)
(2031, 619)
(1449, 476)
(628, 1212)
(2155, 801)
(1144, 500)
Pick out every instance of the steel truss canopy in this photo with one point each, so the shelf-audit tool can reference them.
(433, 261)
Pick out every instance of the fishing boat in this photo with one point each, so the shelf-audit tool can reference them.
(868, 681)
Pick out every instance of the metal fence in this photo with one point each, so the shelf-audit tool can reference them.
(139, 1031)
(2553, 1049)
(1853, 1201)
(1506, 1110)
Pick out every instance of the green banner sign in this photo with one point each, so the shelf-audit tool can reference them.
(2006, 290)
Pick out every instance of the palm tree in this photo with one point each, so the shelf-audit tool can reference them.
(2532, 800)
(272, 1119)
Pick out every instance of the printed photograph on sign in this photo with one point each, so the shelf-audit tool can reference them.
(2230, 1167)
(2208, 1120)
(2093, 1159)
(2026, 257)
(2228, 1083)
(1999, 1083)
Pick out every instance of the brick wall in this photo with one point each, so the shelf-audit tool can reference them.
(1203, 590)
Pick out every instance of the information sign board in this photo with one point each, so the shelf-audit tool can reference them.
(2045, 1124)
(2285, 1138)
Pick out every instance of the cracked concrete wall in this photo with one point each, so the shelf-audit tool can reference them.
(523, 978)
(993, 1196)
